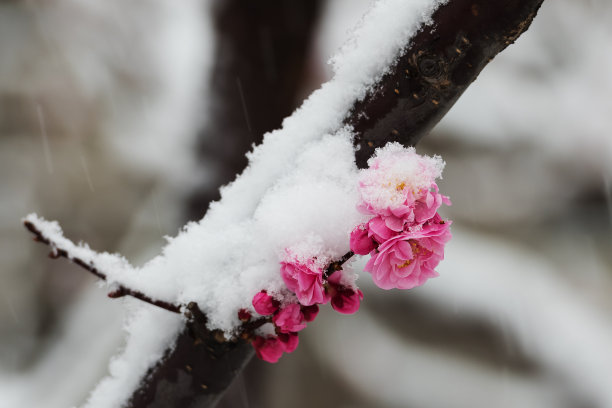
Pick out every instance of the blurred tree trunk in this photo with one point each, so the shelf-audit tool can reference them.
(259, 64)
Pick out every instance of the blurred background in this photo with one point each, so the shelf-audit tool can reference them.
(121, 120)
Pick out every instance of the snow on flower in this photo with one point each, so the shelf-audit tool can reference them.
(304, 278)
(397, 179)
(399, 190)
(404, 237)
(264, 304)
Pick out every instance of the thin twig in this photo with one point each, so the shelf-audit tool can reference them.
(337, 265)
(120, 290)
(117, 292)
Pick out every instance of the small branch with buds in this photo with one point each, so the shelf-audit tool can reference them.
(191, 310)
(337, 265)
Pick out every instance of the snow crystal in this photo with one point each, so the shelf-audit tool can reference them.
(393, 170)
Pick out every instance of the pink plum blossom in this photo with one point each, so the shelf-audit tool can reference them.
(405, 237)
(290, 319)
(265, 304)
(379, 230)
(408, 259)
(399, 186)
(305, 279)
(427, 204)
(269, 349)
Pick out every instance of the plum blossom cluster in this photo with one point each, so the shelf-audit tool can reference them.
(405, 237)
(309, 286)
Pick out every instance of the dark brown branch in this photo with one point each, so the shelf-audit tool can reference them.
(442, 60)
(194, 373)
(117, 292)
(337, 265)
(247, 330)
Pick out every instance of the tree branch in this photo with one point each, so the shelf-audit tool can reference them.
(192, 312)
(337, 265)
(59, 250)
(442, 60)
(260, 57)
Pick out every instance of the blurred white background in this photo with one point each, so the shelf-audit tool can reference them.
(101, 104)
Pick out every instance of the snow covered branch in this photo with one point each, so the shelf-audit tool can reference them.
(441, 61)
(50, 233)
(261, 55)
(406, 65)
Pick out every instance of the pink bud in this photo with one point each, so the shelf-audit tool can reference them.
(289, 340)
(244, 315)
(310, 312)
(264, 304)
(360, 242)
(346, 300)
(268, 349)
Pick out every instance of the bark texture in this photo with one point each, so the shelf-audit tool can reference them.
(197, 371)
(442, 60)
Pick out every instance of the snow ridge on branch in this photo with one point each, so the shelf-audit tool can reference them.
(51, 234)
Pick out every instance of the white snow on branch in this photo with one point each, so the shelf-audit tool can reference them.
(300, 183)
(150, 332)
(103, 262)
